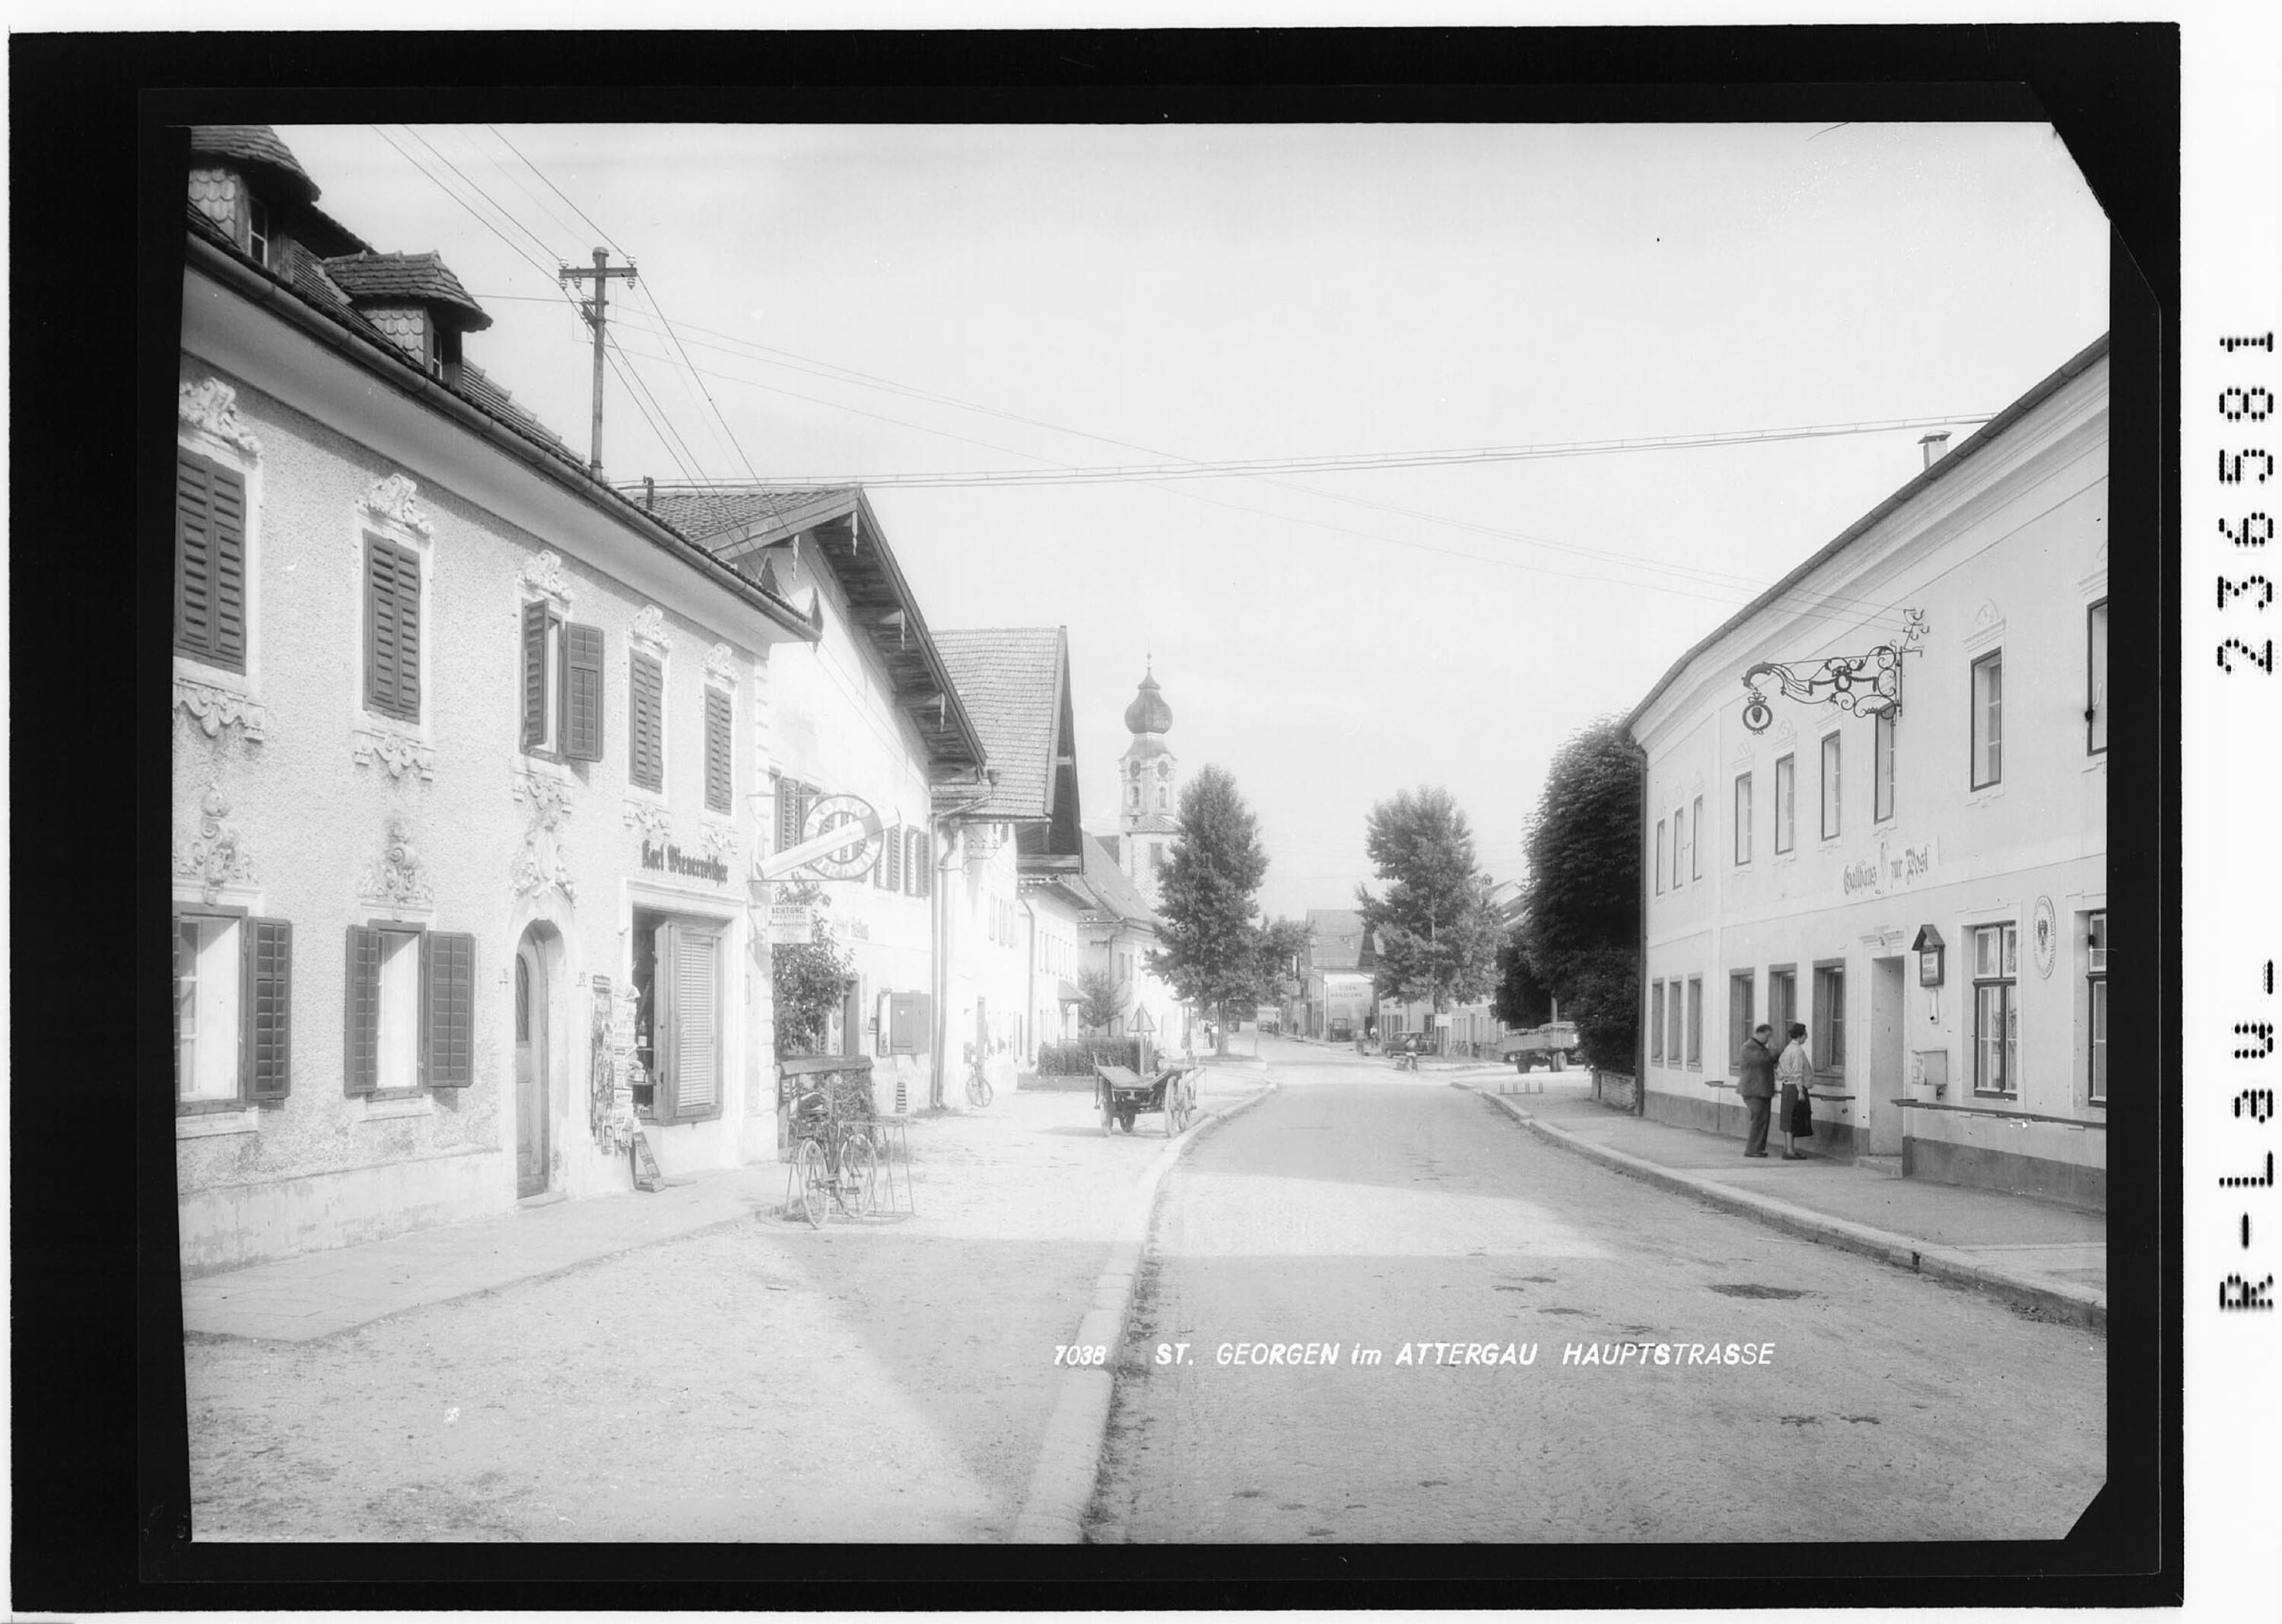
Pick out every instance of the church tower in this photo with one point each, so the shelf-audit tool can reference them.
(1148, 789)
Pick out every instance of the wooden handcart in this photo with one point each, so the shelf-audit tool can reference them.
(1123, 1093)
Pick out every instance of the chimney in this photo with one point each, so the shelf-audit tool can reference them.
(649, 492)
(1935, 445)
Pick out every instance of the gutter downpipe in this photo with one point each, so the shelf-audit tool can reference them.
(407, 380)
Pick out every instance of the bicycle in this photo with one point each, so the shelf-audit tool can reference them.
(978, 1084)
(834, 1163)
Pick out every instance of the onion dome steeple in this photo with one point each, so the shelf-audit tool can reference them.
(1148, 712)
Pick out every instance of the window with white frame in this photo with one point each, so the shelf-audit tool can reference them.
(1830, 803)
(2095, 929)
(1830, 1017)
(561, 685)
(1882, 767)
(1742, 818)
(1659, 857)
(410, 1009)
(1782, 1002)
(1739, 1012)
(1695, 847)
(1675, 1012)
(1679, 848)
(2095, 680)
(1656, 1022)
(1988, 719)
(1786, 803)
(1695, 1023)
(233, 1009)
(1996, 1018)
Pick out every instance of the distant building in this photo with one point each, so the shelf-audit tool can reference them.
(1924, 886)
(1148, 790)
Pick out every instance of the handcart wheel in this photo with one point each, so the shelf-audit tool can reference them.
(809, 1172)
(859, 1177)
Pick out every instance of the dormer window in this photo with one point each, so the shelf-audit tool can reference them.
(260, 232)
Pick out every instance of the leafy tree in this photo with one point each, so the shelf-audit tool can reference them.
(1520, 998)
(1102, 999)
(1204, 895)
(1581, 935)
(1437, 935)
(809, 979)
(1281, 942)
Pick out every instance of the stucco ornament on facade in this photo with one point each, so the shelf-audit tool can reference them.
(398, 752)
(217, 856)
(717, 838)
(211, 406)
(213, 709)
(721, 665)
(398, 876)
(542, 862)
(650, 819)
(390, 498)
(650, 629)
(544, 574)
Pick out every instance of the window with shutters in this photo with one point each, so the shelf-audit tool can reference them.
(394, 640)
(409, 1010)
(233, 1009)
(560, 686)
(918, 862)
(210, 562)
(720, 777)
(646, 722)
(792, 798)
(678, 964)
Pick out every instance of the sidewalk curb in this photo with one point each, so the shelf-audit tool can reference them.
(2080, 1306)
(1062, 1482)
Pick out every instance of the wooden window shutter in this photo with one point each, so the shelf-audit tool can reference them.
(696, 1022)
(894, 840)
(645, 726)
(447, 1007)
(265, 1045)
(582, 693)
(391, 629)
(361, 1044)
(917, 864)
(534, 675)
(209, 561)
(718, 775)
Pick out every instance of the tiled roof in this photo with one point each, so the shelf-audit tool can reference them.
(1154, 823)
(255, 144)
(406, 279)
(1009, 680)
(1107, 881)
(704, 515)
(1334, 937)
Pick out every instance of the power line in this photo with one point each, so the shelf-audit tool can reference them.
(635, 397)
(507, 214)
(635, 373)
(557, 190)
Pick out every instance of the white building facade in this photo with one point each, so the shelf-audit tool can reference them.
(1925, 889)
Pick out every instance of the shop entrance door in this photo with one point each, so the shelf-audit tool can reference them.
(1882, 1117)
(531, 1092)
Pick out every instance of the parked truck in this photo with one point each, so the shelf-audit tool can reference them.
(1549, 1045)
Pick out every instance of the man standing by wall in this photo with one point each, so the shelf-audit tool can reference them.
(1755, 1068)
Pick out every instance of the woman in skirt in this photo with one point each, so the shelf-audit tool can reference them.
(1790, 1073)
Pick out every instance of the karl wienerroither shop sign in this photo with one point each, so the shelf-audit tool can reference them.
(673, 860)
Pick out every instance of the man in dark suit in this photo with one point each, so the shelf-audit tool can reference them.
(1755, 1082)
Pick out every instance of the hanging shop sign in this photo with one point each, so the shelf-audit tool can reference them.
(1858, 684)
(790, 924)
(840, 841)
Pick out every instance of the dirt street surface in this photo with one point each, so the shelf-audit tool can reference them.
(886, 1381)
(1361, 1208)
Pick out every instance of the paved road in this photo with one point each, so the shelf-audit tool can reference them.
(1359, 1207)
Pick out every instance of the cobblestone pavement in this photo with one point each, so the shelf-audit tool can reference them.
(1361, 1207)
(875, 1381)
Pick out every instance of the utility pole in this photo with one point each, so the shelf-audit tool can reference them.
(596, 312)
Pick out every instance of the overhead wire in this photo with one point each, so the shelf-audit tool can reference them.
(1055, 473)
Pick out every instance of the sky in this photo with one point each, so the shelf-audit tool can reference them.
(879, 302)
